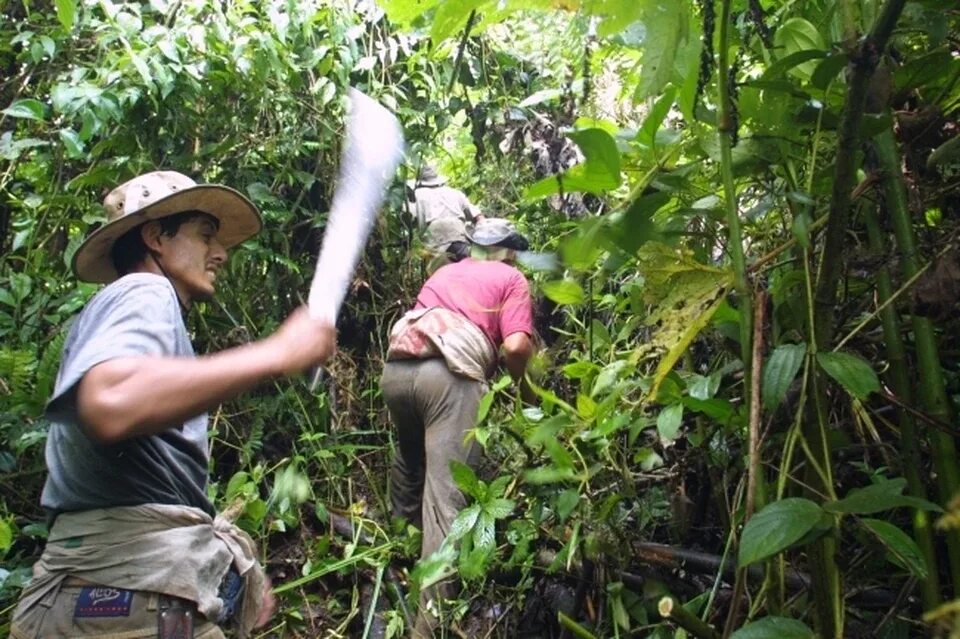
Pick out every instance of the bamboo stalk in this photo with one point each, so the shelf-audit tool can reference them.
(576, 629)
(899, 379)
(933, 394)
(734, 233)
(864, 58)
(670, 608)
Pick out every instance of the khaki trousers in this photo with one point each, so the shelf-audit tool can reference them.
(432, 410)
(98, 613)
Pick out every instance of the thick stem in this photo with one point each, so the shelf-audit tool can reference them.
(899, 379)
(863, 61)
(670, 608)
(755, 486)
(933, 396)
(735, 235)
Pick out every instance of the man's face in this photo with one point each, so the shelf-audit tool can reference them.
(192, 257)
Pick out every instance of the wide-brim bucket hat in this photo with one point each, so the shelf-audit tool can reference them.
(496, 231)
(428, 176)
(156, 195)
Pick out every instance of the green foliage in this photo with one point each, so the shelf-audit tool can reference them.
(598, 173)
(774, 628)
(902, 549)
(879, 497)
(851, 372)
(779, 372)
(777, 527)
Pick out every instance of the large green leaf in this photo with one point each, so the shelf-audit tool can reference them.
(876, 498)
(483, 532)
(451, 17)
(851, 372)
(683, 294)
(774, 628)
(616, 14)
(669, 421)
(27, 109)
(647, 134)
(564, 292)
(404, 12)
(797, 35)
(666, 29)
(66, 13)
(499, 508)
(779, 372)
(464, 477)
(6, 536)
(776, 527)
(464, 522)
(904, 552)
(779, 68)
(598, 173)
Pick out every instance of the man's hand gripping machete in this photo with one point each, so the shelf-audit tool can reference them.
(371, 153)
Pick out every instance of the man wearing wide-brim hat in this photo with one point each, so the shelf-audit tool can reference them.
(135, 546)
(444, 214)
(467, 315)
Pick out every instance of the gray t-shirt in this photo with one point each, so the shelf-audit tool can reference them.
(138, 315)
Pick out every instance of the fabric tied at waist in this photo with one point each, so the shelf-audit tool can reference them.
(173, 550)
(438, 332)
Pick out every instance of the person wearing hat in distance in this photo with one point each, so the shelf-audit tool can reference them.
(440, 356)
(444, 214)
(135, 548)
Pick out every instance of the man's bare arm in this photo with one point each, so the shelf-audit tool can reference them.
(517, 351)
(134, 396)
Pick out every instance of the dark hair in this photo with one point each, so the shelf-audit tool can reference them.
(458, 250)
(514, 241)
(129, 250)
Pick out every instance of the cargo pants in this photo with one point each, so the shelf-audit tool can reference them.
(81, 610)
(432, 409)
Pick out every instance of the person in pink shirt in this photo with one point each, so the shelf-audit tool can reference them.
(441, 354)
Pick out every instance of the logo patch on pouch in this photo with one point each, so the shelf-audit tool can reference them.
(101, 601)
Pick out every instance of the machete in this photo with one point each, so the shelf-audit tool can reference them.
(372, 149)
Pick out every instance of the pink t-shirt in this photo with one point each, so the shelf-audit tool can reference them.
(493, 295)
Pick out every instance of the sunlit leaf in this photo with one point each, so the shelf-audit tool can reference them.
(669, 422)
(499, 508)
(28, 109)
(483, 532)
(66, 12)
(71, 142)
(464, 477)
(796, 36)
(6, 535)
(465, 521)
(666, 29)
(685, 294)
(564, 292)
(598, 173)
